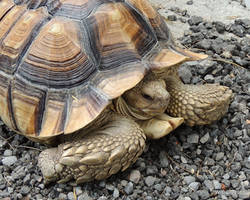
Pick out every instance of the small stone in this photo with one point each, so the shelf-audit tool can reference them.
(209, 185)
(124, 183)
(134, 176)
(163, 159)
(205, 138)
(185, 74)
(7, 152)
(204, 44)
(217, 185)
(226, 176)
(189, 179)
(195, 20)
(219, 156)
(220, 27)
(168, 191)
(193, 138)
(109, 187)
(10, 160)
(102, 198)
(172, 18)
(62, 196)
(150, 180)
(25, 190)
(209, 78)
(39, 197)
(183, 160)
(209, 161)
(233, 193)
(194, 186)
(116, 193)
(190, 2)
(158, 187)
(244, 194)
(203, 194)
(129, 188)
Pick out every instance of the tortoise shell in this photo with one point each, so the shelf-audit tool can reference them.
(62, 61)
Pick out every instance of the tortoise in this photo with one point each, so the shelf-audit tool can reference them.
(95, 77)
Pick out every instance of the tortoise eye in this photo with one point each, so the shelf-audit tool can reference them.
(146, 96)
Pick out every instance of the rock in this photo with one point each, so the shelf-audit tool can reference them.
(7, 152)
(194, 186)
(129, 188)
(150, 180)
(209, 185)
(195, 20)
(209, 78)
(219, 156)
(193, 139)
(217, 185)
(10, 160)
(158, 187)
(204, 44)
(25, 190)
(116, 193)
(185, 74)
(172, 18)
(189, 179)
(203, 194)
(205, 138)
(220, 27)
(244, 194)
(134, 176)
(163, 159)
(184, 160)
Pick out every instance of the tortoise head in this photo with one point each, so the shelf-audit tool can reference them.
(149, 98)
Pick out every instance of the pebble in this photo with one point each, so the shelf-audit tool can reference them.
(244, 194)
(194, 186)
(193, 139)
(219, 156)
(134, 176)
(205, 138)
(150, 180)
(116, 193)
(209, 185)
(217, 185)
(7, 152)
(129, 188)
(10, 160)
(195, 20)
(203, 194)
(189, 179)
(25, 190)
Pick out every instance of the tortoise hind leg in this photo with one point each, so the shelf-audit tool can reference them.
(197, 104)
(97, 155)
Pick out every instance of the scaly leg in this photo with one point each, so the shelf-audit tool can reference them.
(96, 155)
(197, 104)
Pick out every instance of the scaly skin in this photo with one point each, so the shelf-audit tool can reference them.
(197, 104)
(98, 155)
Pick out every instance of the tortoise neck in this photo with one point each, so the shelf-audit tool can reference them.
(121, 107)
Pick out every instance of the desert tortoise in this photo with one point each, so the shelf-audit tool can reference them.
(107, 67)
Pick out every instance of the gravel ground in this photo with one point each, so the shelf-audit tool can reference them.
(208, 162)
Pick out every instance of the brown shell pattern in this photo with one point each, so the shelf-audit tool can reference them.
(62, 61)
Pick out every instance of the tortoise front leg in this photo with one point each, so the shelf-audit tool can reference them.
(97, 155)
(197, 104)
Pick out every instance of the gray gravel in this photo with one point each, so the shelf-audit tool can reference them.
(204, 162)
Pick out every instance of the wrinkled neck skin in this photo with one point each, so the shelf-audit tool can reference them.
(123, 108)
